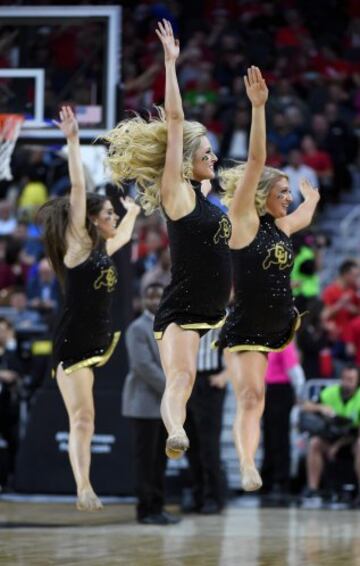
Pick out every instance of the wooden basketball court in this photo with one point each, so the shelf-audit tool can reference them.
(41, 534)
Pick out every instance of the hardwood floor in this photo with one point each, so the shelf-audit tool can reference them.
(42, 534)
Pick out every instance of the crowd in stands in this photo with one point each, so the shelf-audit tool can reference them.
(309, 53)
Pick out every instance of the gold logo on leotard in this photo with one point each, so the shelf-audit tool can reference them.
(278, 255)
(224, 230)
(107, 278)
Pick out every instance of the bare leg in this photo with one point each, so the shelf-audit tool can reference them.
(178, 352)
(315, 461)
(77, 392)
(247, 373)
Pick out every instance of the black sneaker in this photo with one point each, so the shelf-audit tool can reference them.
(311, 499)
(189, 503)
(210, 508)
(162, 518)
(172, 519)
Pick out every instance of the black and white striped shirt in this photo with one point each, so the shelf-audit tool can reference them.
(209, 359)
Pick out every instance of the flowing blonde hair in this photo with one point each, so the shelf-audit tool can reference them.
(230, 178)
(137, 149)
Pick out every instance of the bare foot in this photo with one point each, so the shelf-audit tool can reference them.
(176, 445)
(88, 501)
(250, 478)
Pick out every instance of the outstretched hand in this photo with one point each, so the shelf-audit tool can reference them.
(256, 88)
(68, 123)
(170, 45)
(308, 191)
(130, 205)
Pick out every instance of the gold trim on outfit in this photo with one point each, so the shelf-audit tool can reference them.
(193, 326)
(97, 361)
(261, 348)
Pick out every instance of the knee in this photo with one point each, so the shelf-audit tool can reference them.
(250, 396)
(181, 380)
(315, 444)
(83, 421)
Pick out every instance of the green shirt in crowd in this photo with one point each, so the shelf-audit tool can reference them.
(307, 285)
(331, 396)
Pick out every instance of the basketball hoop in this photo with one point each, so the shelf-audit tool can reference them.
(10, 126)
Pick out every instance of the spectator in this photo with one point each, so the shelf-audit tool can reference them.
(284, 383)
(191, 60)
(13, 266)
(8, 220)
(28, 236)
(273, 157)
(21, 316)
(235, 140)
(289, 38)
(201, 91)
(160, 273)
(332, 135)
(143, 389)
(305, 278)
(341, 400)
(213, 125)
(342, 303)
(312, 340)
(42, 289)
(320, 162)
(285, 100)
(295, 170)
(153, 244)
(33, 195)
(352, 339)
(282, 135)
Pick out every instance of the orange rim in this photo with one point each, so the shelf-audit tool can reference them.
(10, 125)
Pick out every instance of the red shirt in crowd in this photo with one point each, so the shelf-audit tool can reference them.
(332, 294)
(352, 336)
(318, 160)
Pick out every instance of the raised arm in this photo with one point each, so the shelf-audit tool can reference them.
(125, 229)
(69, 126)
(302, 216)
(243, 202)
(171, 194)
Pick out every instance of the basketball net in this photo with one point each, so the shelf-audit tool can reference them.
(10, 126)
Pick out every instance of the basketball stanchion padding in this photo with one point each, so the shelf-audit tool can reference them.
(10, 126)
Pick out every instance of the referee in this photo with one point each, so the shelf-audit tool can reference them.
(203, 427)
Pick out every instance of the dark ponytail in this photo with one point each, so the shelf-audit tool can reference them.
(54, 216)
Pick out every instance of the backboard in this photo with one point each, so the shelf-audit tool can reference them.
(55, 55)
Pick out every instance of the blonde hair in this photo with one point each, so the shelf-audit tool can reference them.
(230, 178)
(137, 152)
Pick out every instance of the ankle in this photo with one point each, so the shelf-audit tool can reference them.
(178, 431)
(85, 487)
(248, 463)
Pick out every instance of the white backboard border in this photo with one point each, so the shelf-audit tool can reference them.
(113, 16)
(39, 77)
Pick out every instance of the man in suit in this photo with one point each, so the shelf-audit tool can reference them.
(143, 389)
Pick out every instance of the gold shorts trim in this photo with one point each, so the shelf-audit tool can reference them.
(193, 326)
(97, 361)
(260, 348)
(41, 348)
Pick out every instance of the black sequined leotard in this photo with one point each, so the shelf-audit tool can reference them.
(84, 336)
(263, 316)
(201, 278)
